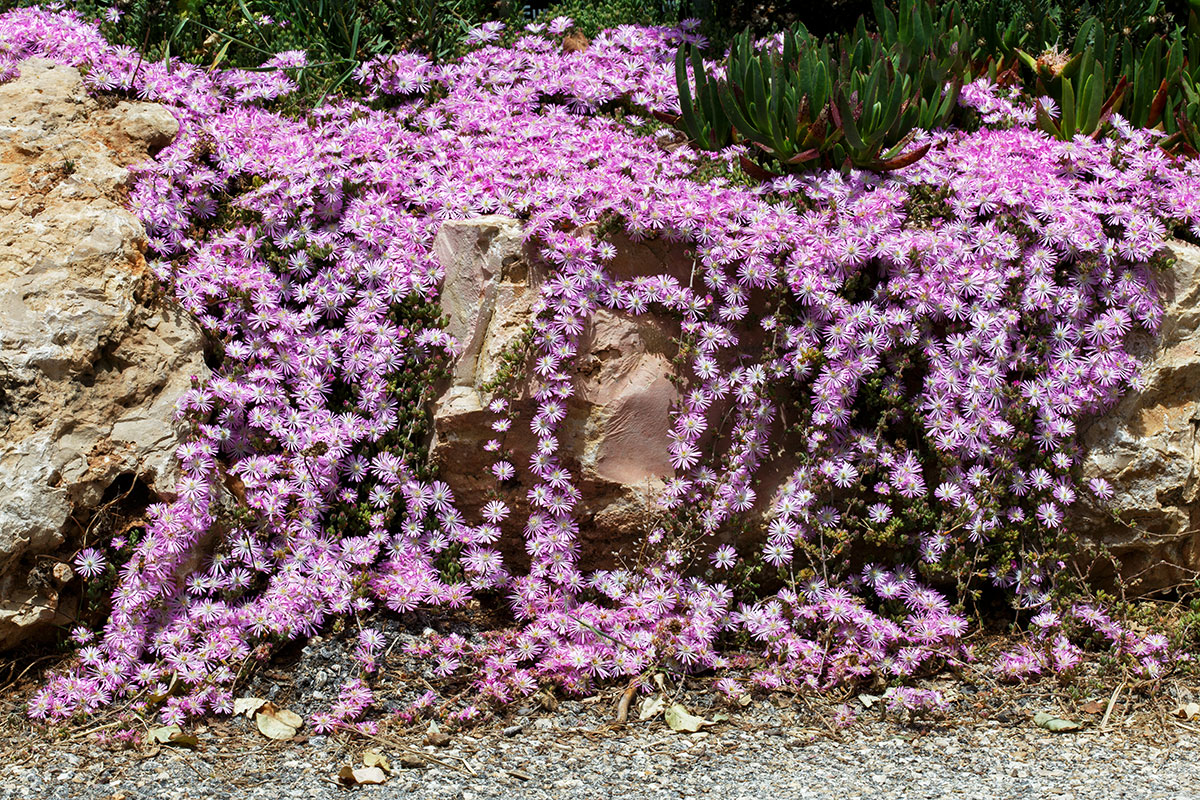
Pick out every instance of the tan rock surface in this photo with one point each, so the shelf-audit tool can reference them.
(1147, 447)
(614, 437)
(92, 360)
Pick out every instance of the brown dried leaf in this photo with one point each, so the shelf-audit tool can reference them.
(547, 700)
(247, 706)
(184, 740)
(1054, 724)
(373, 758)
(437, 738)
(277, 723)
(650, 707)
(679, 719)
(1094, 707)
(1187, 712)
(162, 735)
(289, 718)
(172, 735)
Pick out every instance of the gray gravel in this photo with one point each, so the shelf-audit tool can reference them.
(740, 759)
(778, 748)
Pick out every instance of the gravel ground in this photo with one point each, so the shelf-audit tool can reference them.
(876, 760)
(779, 746)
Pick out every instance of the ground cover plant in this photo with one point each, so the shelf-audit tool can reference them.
(804, 103)
(935, 335)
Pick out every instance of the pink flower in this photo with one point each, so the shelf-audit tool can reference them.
(89, 562)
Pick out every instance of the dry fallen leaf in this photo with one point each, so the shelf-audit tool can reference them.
(1052, 723)
(363, 776)
(1094, 707)
(373, 758)
(1187, 712)
(651, 706)
(289, 718)
(277, 723)
(247, 706)
(172, 735)
(162, 735)
(868, 700)
(435, 737)
(679, 719)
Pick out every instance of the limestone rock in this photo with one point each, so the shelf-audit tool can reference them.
(614, 437)
(1147, 447)
(615, 434)
(92, 359)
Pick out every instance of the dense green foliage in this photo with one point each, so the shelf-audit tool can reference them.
(860, 99)
(1151, 83)
(340, 34)
(857, 101)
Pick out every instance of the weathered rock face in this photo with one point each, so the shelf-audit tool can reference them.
(1147, 447)
(615, 434)
(91, 359)
(614, 437)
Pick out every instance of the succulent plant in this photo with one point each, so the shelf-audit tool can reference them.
(801, 105)
(907, 78)
(1153, 80)
(997, 39)
(1082, 102)
(917, 37)
(880, 113)
(779, 101)
(1076, 81)
(1181, 119)
(703, 117)
(1154, 87)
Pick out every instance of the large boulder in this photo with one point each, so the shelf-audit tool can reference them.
(92, 358)
(614, 438)
(1147, 447)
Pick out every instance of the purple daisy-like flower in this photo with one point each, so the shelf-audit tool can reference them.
(89, 562)
(724, 557)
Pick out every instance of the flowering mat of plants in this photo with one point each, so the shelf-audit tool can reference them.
(987, 746)
(936, 334)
